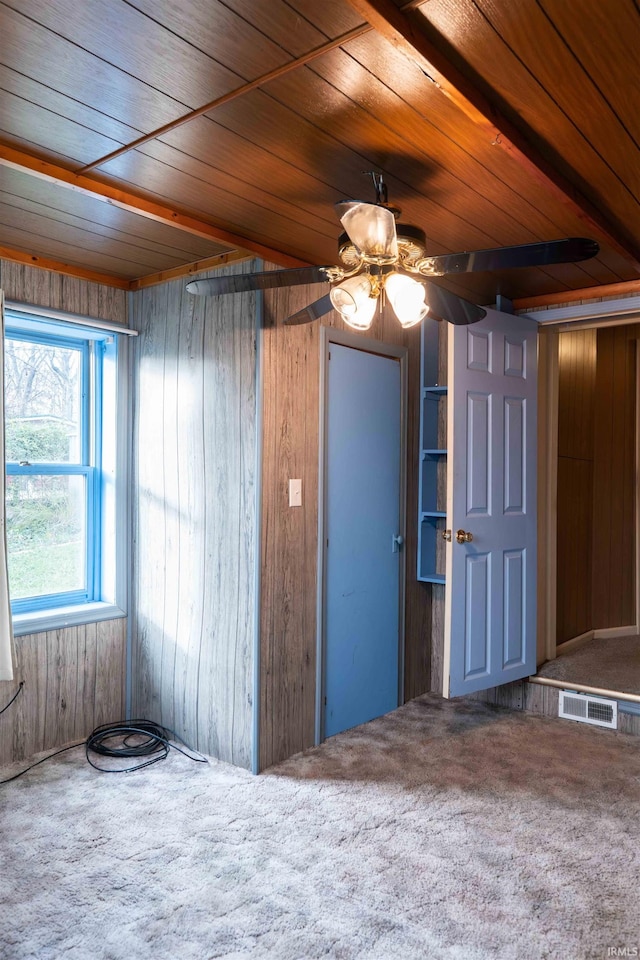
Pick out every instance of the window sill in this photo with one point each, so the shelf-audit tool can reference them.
(42, 621)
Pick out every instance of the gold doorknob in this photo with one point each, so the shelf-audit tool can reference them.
(446, 535)
(463, 537)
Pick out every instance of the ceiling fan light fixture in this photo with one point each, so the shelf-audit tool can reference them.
(373, 231)
(353, 301)
(406, 296)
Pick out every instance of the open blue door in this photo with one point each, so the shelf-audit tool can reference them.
(363, 546)
(490, 605)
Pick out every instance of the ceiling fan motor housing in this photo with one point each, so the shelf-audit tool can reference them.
(412, 246)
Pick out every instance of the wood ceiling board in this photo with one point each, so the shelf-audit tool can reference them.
(331, 17)
(581, 101)
(134, 46)
(415, 36)
(612, 60)
(114, 193)
(156, 256)
(474, 37)
(198, 193)
(42, 55)
(453, 139)
(421, 158)
(41, 245)
(202, 198)
(104, 217)
(18, 216)
(214, 151)
(19, 85)
(371, 146)
(230, 39)
(242, 36)
(450, 229)
(50, 134)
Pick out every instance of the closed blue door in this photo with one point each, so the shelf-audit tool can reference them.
(362, 518)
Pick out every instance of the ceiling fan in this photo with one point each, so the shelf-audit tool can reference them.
(386, 260)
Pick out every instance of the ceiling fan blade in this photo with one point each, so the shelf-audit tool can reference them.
(447, 306)
(371, 228)
(571, 250)
(314, 311)
(241, 282)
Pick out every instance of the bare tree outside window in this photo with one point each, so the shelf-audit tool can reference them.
(46, 514)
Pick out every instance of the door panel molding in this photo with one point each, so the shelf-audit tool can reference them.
(490, 597)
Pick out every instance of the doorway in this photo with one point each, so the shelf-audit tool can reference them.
(592, 438)
(361, 531)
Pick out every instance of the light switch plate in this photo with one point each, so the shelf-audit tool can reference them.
(295, 493)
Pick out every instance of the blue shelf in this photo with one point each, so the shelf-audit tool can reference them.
(438, 391)
(432, 578)
(431, 522)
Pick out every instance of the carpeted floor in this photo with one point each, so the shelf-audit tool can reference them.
(443, 830)
(612, 663)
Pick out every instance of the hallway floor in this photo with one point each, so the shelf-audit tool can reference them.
(612, 663)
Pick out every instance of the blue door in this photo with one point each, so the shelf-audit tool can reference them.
(490, 599)
(362, 523)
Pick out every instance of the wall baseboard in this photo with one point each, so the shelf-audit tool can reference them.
(604, 633)
(610, 632)
(574, 643)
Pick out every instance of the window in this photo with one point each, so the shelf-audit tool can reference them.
(61, 403)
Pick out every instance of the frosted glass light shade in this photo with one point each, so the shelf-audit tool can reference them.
(373, 231)
(353, 301)
(406, 296)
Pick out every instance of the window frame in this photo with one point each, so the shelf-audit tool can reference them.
(104, 413)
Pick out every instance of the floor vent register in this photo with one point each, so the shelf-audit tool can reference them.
(588, 709)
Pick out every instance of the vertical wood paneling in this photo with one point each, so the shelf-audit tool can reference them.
(577, 357)
(194, 516)
(291, 372)
(47, 289)
(614, 480)
(74, 678)
(596, 480)
(574, 548)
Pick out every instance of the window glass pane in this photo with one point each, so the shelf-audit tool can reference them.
(46, 534)
(43, 402)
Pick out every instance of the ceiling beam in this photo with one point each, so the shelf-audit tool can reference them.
(189, 269)
(622, 289)
(412, 35)
(69, 269)
(134, 203)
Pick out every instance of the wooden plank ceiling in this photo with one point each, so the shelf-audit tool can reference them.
(494, 123)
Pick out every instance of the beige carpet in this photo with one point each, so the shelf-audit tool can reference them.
(443, 830)
(612, 663)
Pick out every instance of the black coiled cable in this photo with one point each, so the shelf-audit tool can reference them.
(136, 738)
(124, 740)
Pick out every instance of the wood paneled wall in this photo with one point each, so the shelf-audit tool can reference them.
(614, 478)
(576, 410)
(194, 522)
(291, 375)
(74, 678)
(44, 288)
(596, 480)
(73, 681)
